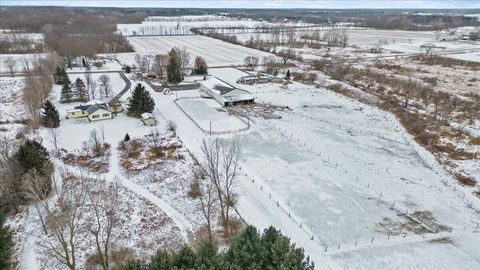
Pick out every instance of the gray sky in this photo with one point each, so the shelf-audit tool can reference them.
(461, 4)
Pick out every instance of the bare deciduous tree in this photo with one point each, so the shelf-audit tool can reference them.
(11, 63)
(183, 58)
(104, 204)
(206, 196)
(221, 167)
(251, 62)
(105, 81)
(55, 137)
(61, 221)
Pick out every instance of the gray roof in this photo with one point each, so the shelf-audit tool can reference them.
(96, 107)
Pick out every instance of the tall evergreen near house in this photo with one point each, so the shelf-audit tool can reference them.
(174, 69)
(61, 76)
(6, 246)
(141, 101)
(31, 157)
(81, 90)
(50, 115)
(66, 94)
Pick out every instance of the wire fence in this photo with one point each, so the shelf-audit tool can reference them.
(209, 132)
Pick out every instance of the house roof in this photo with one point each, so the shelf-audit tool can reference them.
(146, 116)
(96, 107)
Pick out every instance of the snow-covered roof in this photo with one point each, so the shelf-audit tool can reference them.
(146, 115)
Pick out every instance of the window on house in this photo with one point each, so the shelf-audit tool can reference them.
(95, 116)
(106, 115)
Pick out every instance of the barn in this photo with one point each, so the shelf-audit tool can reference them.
(224, 93)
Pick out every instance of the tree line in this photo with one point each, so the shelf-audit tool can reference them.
(249, 250)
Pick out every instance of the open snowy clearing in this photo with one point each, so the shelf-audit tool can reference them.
(209, 115)
(215, 52)
(19, 61)
(309, 162)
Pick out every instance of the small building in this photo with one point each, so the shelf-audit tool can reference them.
(115, 107)
(99, 112)
(259, 78)
(148, 119)
(224, 93)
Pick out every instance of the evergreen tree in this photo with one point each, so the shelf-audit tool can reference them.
(50, 115)
(247, 250)
(81, 90)
(6, 246)
(127, 137)
(84, 63)
(200, 66)
(30, 157)
(174, 69)
(128, 69)
(133, 265)
(66, 94)
(58, 75)
(161, 260)
(288, 75)
(141, 101)
(208, 257)
(185, 258)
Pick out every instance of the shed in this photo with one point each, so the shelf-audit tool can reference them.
(148, 119)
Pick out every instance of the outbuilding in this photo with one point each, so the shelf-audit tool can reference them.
(148, 119)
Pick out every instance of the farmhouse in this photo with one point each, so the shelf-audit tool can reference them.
(224, 93)
(148, 119)
(93, 110)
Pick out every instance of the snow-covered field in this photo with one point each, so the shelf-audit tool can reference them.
(308, 162)
(181, 25)
(215, 52)
(19, 59)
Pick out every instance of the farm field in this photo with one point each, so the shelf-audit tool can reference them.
(215, 52)
(309, 160)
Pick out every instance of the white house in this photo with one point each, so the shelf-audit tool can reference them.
(92, 110)
(224, 93)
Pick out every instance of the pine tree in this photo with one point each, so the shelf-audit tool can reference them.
(288, 75)
(247, 250)
(6, 246)
(84, 63)
(128, 69)
(141, 101)
(208, 257)
(66, 94)
(133, 265)
(174, 69)
(81, 90)
(127, 137)
(161, 260)
(184, 259)
(58, 75)
(30, 157)
(200, 66)
(50, 115)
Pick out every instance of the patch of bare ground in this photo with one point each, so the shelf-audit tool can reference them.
(87, 159)
(418, 222)
(442, 240)
(141, 153)
(264, 111)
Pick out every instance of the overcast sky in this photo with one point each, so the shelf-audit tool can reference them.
(257, 3)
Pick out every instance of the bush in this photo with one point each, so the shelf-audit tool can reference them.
(6, 246)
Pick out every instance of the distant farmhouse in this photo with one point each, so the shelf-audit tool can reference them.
(224, 93)
(93, 111)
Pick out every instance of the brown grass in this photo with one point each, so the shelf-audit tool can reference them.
(466, 180)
